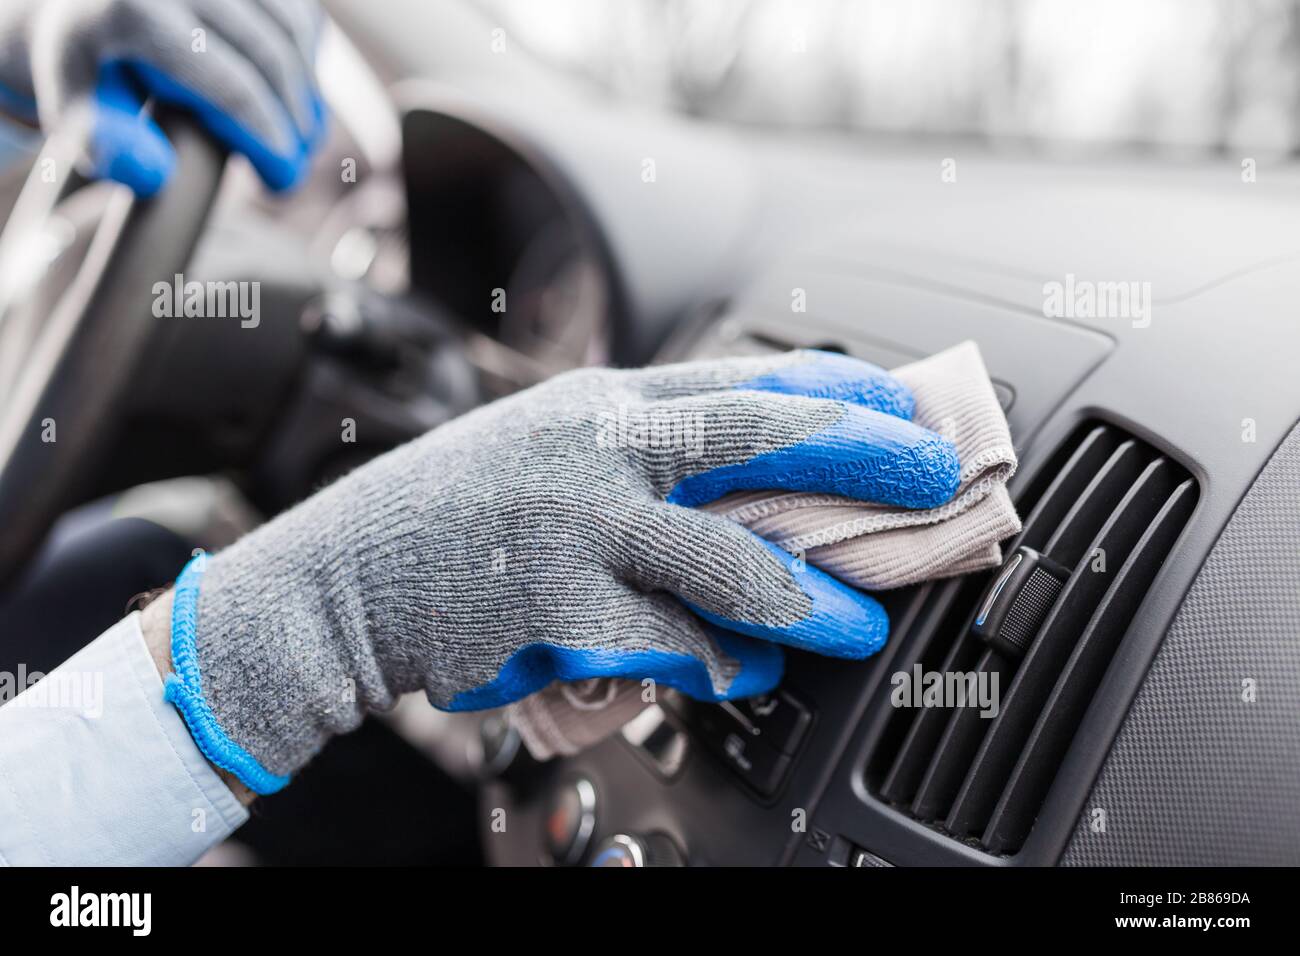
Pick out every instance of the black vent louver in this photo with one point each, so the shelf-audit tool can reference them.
(1107, 510)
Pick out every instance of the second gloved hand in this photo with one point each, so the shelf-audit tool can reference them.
(548, 536)
(243, 67)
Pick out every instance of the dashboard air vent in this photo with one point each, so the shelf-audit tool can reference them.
(1105, 514)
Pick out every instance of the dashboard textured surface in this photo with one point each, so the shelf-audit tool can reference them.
(1198, 775)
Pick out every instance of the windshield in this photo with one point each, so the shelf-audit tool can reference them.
(1170, 74)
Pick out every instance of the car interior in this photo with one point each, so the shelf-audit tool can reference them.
(1158, 445)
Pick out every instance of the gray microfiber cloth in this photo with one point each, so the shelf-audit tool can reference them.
(874, 547)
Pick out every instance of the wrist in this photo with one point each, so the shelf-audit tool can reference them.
(156, 626)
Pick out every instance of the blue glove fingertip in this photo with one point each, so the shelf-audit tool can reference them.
(831, 375)
(863, 455)
(762, 663)
(127, 146)
(131, 150)
(843, 622)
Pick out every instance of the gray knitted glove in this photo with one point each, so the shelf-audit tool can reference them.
(244, 67)
(548, 536)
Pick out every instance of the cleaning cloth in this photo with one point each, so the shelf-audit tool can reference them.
(877, 547)
(873, 547)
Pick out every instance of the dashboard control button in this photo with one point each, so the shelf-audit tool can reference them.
(760, 766)
(631, 850)
(777, 719)
(570, 821)
(500, 745)
(657, 741)
(502, 755)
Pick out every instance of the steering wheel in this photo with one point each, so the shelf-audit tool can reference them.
(65, 370)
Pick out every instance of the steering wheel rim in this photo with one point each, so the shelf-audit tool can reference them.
(78, 370)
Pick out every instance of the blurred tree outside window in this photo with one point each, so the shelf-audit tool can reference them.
(1168, 74)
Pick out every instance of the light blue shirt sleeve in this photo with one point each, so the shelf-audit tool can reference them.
(97, 769)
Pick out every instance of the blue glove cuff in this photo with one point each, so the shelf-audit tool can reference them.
(184, 689)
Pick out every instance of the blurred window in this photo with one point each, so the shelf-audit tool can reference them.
(1173, 74)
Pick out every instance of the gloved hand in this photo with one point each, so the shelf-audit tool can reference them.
(244, 67)
(545, 537)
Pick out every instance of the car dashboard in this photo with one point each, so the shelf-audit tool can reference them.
(1159, 461)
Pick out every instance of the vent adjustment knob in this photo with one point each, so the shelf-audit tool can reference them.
(1018, 601)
